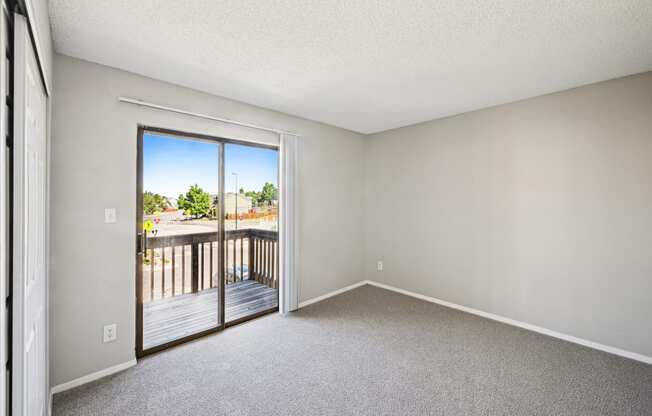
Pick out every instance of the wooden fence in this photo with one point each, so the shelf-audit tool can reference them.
(178, 264)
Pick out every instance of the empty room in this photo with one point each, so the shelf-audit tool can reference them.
(265, 207)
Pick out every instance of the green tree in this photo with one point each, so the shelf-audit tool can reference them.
(196, 202)
(242, 190)
(255, 197)
(268, 194)
(153, 203)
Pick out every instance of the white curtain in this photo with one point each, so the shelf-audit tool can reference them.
(289, 225)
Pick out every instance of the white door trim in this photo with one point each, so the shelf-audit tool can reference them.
(4, 226)
(39, 40)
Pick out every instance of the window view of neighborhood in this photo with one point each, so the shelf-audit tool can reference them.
(180, 196)
(196, 211)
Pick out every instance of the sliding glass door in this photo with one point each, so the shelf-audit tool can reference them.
(179, 290)
(251, 237)
(207, 235)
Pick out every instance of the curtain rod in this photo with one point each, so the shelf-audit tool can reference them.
(199, 115)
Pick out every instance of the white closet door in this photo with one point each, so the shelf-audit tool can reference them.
(29, 365)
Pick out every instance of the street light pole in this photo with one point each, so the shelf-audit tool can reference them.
(236, 199)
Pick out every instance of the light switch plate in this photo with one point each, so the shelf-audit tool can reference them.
(379, 266)
(109, 215)
(110, 333)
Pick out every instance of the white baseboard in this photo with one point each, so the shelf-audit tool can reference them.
(606, 348)
(331, 294)
(613, 350)
(91, 377)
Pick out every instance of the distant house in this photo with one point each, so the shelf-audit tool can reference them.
(244, 203)
(169, 214)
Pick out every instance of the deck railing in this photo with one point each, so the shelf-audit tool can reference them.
(178, 264)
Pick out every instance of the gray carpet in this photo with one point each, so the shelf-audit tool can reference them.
(371, 352)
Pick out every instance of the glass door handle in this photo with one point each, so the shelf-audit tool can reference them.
(142, 243)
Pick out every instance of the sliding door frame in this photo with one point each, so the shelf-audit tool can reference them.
(222, 324)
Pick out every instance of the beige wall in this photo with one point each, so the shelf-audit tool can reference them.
(539, 211)
(94, 167)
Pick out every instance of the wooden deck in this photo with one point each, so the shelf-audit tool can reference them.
(176, 317)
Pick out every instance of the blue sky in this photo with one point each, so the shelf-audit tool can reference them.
(171, 165)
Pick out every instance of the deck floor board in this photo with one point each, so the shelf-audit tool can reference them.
(169, 319)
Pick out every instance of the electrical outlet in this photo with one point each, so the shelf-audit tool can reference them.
(110, 332)
(379, 266)
(110, 215)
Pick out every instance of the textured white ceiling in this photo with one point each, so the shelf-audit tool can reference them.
(363, 65)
